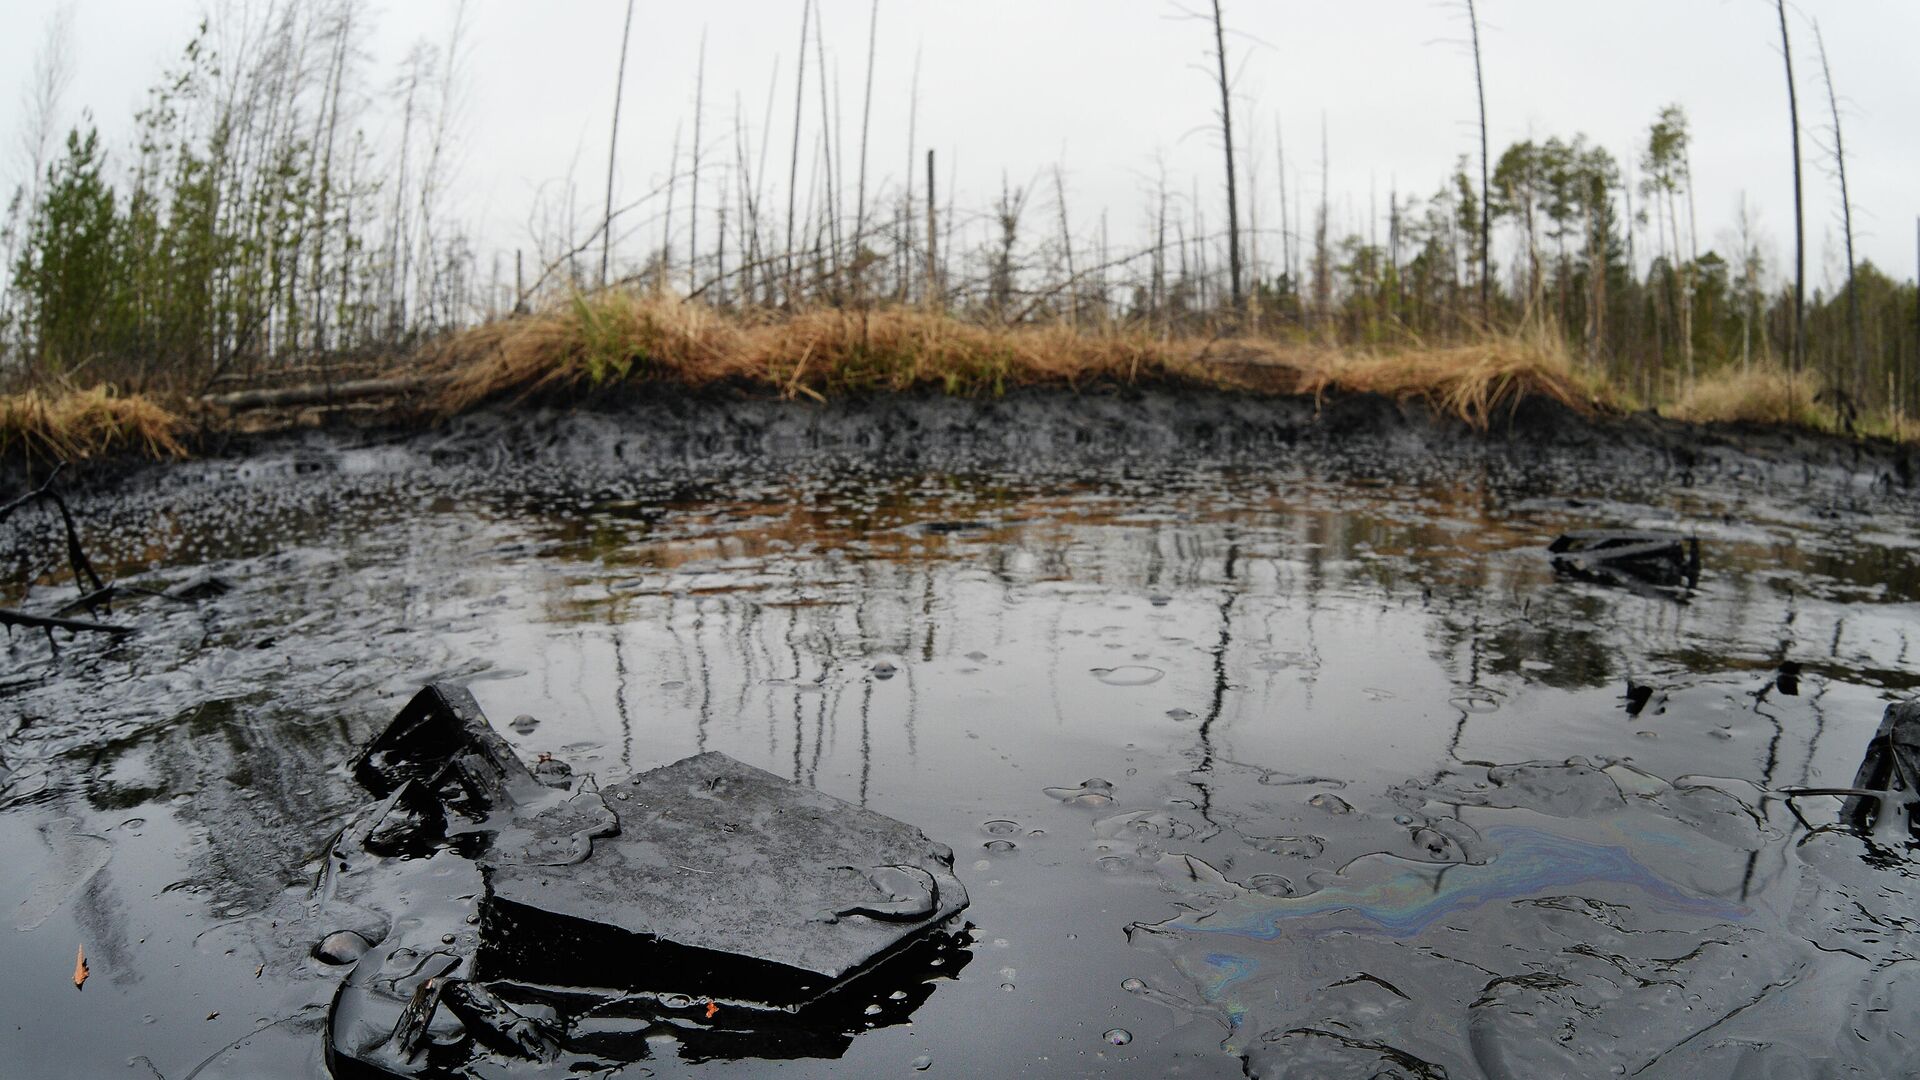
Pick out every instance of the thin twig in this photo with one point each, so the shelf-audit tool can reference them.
(10, 617)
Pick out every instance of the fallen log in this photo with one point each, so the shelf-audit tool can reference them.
(322, 393)
(10, 617)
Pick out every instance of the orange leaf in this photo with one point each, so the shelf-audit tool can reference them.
(711, 1009)
(80, 967)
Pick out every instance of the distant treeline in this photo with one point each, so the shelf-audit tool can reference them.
(252, 222)
(255, 224)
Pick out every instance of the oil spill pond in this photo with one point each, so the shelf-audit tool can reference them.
(1303, 770)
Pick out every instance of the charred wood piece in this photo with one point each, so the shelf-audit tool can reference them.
(1627, 556)
(83, 571)
(554, 925)
(1885, 796)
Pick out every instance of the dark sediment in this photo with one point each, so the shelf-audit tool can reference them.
(1028, 429)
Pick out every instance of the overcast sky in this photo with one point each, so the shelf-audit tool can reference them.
(1107, 88)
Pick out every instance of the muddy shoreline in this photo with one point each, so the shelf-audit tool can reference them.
(1028, 429)
(1131, 655)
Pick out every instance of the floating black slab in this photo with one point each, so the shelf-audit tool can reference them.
(550, 928)
(1890, 767)
(1629, 557)
(1883, 804)
(725, 882)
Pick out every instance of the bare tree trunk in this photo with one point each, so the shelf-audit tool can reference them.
(1393, 243)
(1855, 334)
(1286, 229)
(907, 240)
(693, 207)
(860, 199)
(829, 139)
(1066, 245)
(1486, 208)
(52, 75)
(933, 297)
(720, 253)
(1797, 347)
(1159, 280)
(749, 219)
(613, 144)
(1322, 272)
(1253, 241)
(1226, 132)
(793, 169)
(666, 225)
(1693, 260)
(761, 258)
(1597, 303)
(953, 185)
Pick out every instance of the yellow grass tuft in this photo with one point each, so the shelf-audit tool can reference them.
(70, 425)
(615, 338)
(1762, 395)
(1471, 382)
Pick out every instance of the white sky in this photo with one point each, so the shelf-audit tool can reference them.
(1103, 87)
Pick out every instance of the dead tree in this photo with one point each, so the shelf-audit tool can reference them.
(1286, 229)
(613, 145)
(1486, 208)
(1796, 349)
(860, 198)
(793, 167)
(934, 296)
(1226, 133)
(1066, 247)
(693, 208)
(1856, 338)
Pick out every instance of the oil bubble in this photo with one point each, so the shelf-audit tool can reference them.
(1129, 675)
(341, 947)
(1271, 885)
(1331, 803)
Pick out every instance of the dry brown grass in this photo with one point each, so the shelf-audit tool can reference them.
(1471, 382)
(1763, 395)
(66, 424)
(623, 339)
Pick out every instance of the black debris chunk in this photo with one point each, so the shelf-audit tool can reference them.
(1890, 770)
(1637, 697)
(1787, 680)
(526, 922)
(726, 882)
(1635, 559)
(442, 741)
(1885, 796)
